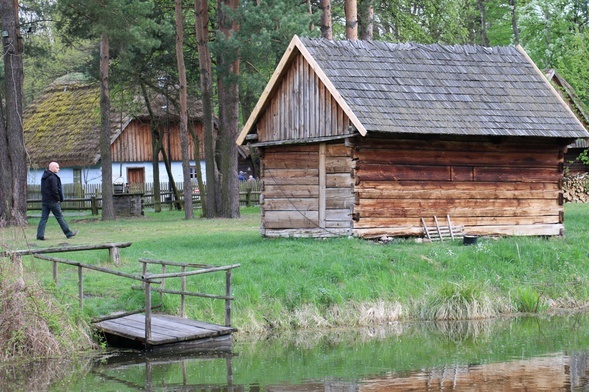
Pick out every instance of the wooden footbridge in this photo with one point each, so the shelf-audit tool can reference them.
(143, 328)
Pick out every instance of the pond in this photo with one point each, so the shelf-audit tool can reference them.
(538, 354)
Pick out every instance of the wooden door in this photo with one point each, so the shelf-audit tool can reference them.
(136, 179)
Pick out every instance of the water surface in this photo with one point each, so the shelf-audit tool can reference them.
(522, 354)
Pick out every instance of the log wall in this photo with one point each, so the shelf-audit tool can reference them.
(134, 144)
(302, 108)
(490, 187)
(307, 190)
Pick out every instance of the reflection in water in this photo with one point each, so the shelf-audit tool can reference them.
(526, 354)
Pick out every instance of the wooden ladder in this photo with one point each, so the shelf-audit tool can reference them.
(438, 233)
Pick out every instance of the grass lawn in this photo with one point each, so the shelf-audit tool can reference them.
(309, 283)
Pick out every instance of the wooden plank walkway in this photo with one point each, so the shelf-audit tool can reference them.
(165, 329)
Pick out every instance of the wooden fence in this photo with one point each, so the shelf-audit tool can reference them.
(89, 196)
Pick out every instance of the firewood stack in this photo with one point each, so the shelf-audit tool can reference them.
(575, 188)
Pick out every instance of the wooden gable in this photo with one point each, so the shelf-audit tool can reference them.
(302, 108)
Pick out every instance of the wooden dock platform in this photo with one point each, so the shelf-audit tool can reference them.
(165, 329)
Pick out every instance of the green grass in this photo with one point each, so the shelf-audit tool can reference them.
(306, 283)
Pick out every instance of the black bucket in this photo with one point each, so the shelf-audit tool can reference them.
(470, 240)
(118, 188)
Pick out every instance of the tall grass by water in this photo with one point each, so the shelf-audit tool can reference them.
(288, 283)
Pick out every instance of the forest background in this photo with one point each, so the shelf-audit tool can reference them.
(224, 52)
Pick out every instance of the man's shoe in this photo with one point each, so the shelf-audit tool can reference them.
(73, 234)
(40, 238)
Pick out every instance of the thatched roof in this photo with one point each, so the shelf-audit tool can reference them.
(63, 124)
(431, 89)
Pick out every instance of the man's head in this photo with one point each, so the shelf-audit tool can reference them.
(54, 167)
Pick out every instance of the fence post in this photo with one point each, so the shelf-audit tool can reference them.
(147, 311)
(182, 296)
(55, 272)
(228, 301)
(248, 197)
(94, 205)
(81, 287)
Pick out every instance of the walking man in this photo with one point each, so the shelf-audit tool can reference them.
(52, 196)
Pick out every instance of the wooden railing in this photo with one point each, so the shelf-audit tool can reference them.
(148, 280)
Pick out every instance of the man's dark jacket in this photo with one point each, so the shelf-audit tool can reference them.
(51, 190)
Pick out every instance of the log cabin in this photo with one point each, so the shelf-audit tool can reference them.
(373, 139)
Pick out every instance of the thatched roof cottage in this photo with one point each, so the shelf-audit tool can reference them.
(63, 125)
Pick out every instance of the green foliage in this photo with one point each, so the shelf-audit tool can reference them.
(584, 157)
(528, 300)
(458, 301)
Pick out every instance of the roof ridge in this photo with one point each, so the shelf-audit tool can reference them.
(407, 46)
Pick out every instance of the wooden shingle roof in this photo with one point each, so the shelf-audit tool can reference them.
(433, 89)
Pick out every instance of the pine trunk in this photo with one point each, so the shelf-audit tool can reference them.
(188, 210)
(210, 206)
(228, 69)
(156, 145)
(15, 207)
(365, 19)
(484, 39)
(326, 29)
(514, 21)
(6, 169)
(108, 212)
(351, 11)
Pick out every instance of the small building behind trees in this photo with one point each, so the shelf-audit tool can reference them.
(63, 125)
(572, 164)
(373, 139)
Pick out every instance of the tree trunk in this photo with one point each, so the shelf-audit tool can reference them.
(156, 145)
(210, 207)
(188, 209)
(326, 29)
(512, 6)
(16, 209)
(197, 159)
(108, 212)
(351, 11)
(6, 170)
(171, 182)
(484, 39)
(365, 19)
(228, 73)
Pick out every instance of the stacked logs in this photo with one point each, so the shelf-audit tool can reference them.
(575, 188)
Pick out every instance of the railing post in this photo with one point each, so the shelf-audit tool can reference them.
(55, 272)
(228, 301)
(163, 284)
(182, 296)
(147, 312)
(143, 273)
(81, 286)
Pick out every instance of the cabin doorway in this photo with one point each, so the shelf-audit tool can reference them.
(136, 179)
